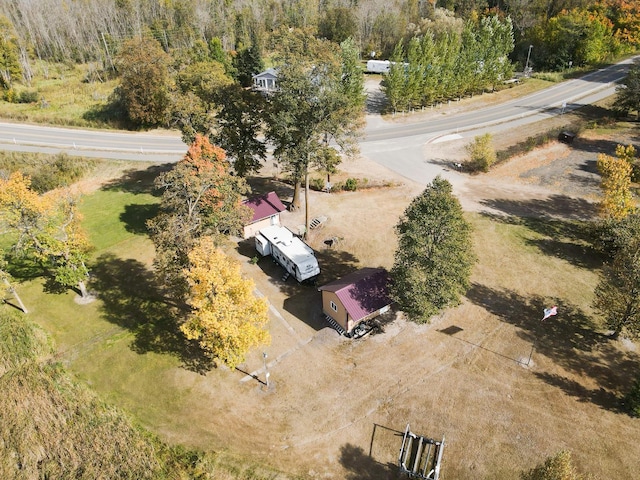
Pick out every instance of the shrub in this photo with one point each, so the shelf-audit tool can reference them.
(481, 154)
(351, 185)
(558, 467)
(316, 183)
(47, 172)
(11, 96)
(28, 96)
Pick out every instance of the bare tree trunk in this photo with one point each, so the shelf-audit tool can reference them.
(83, 289)
(15, 295)
(295, 202)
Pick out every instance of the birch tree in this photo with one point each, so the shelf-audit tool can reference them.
(10, 69)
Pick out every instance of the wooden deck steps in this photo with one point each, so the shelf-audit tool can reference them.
(335, 325)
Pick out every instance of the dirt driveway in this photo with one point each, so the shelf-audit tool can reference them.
(504, 392)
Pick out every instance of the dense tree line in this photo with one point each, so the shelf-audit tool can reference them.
(453, 63)
(94, 30)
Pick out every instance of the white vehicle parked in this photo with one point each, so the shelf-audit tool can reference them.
(378, 66)
(295, 256)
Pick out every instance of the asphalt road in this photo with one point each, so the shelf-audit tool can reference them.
(380, 140)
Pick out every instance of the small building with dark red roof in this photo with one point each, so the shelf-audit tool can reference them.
(355, 298)
(266, 211)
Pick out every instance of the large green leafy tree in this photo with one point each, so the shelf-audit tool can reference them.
(628, 92)
(198, 87)
(435, 256)
(238, 125)
(338, 23)
(617, 295)
(580, 36)
(144, 81)
(318, 105)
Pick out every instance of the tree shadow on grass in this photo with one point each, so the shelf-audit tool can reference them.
(135, 217)
(364, 467)
(569, 339)
(598, 396)
(571, 240)
(554, 207)
(139, 180)
(131, 299)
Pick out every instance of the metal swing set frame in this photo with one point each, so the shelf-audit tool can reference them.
(420, 457)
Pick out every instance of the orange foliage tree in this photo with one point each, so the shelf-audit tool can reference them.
(199, 197)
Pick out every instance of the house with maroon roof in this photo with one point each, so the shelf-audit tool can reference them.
(355, 298)
(266, 211)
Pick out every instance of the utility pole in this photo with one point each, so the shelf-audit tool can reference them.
(526, 67)
(266, 371)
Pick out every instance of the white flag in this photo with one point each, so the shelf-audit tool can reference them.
(548, 312)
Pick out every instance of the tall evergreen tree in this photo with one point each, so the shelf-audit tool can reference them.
(435, 256)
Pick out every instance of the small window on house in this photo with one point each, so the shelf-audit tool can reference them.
(334, 307)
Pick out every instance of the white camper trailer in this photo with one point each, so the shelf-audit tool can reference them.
(295, 256)
(378, 66)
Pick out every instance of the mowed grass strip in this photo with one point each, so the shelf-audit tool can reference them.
(113, 217)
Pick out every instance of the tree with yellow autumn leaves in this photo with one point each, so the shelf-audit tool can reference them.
(226, 318)
(47, 230)
(616, 173)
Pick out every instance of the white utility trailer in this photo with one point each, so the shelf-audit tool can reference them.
(295, 256)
